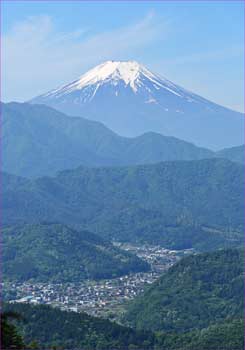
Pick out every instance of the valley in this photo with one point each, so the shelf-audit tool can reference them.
(105, 298)
(213, 316)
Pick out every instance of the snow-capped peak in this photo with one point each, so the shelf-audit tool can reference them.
(124, 73)
(129, 72)
(113, 70)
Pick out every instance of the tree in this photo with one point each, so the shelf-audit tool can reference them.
(10, 339)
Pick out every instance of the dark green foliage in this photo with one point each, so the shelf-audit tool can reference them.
(224, 336)
(45, 327)
(10, 337)
(54, 252)
(70, 330)
(228, 335)
(180, 204)
(198, 291)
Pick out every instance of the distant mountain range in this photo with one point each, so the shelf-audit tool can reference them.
(131, 100)
(57, 253)
(38, 140)
(179, 204)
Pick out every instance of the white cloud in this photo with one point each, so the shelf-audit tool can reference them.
(200, 57)
(36, 57)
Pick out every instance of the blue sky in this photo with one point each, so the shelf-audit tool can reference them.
(197, 44)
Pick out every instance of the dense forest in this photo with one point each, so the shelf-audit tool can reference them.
(180, 204)
(43, 327)
(228, 335)
(198, 291)
(37, 252)
(51, 327)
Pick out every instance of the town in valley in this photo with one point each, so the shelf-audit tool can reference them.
(103, 298)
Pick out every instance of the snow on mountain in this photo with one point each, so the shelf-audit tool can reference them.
(114, 72)
(131, 100)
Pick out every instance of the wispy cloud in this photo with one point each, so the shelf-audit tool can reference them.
(36, 56)
(214, 55)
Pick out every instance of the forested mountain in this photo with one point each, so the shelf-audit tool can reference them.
(38, 140)
(180, 204)
(197, 292)
(57, 253)
(46, 327)
(51, 327)
(228, 335)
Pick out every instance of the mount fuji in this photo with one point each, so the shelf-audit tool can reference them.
(131, 100)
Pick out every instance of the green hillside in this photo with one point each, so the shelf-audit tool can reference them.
(52, 328)
(69, 330)
(227, 335)
(195, 293)
(180, 204)
(57, 253)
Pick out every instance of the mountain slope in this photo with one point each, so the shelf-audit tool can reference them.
(38, 140)
(225, 335)
(69, 330)
(235, 154)
(198, 291)
(180, 204)
(37, 252)
(131, 100)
